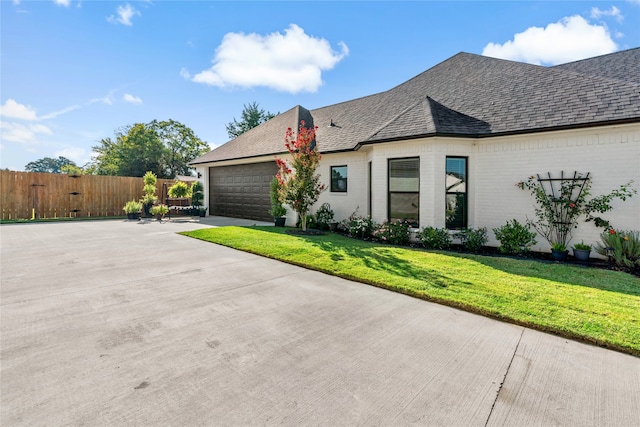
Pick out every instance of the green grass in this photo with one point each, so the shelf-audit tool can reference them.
(588, 304)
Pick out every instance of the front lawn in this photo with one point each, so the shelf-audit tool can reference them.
(588, 304)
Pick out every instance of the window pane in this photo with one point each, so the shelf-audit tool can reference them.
(456, 179)
(456, 192)
(404, 174)
(339, 178)
(405, 207)
(456, 215)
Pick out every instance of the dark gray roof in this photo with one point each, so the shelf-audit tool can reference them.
(468, 96)
(621, 66)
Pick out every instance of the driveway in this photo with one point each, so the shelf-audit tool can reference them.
(124, 323)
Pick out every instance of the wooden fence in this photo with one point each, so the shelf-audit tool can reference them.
(31, 195)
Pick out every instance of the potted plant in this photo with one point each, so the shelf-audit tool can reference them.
(277, 211)
(132, 208)
(197, 196)
(559, 251)
(159, 211)
(179, 190)
(149, 198)
(582, 251)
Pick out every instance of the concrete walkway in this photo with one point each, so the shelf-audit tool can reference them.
(123, 323)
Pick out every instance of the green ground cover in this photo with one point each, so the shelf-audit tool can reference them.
(593, 305)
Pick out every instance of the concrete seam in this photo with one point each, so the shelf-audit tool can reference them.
(504, 378)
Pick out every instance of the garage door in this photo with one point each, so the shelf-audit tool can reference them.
(241, 191)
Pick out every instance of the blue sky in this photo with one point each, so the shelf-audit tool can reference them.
(73, 72)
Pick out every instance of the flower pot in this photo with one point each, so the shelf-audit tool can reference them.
(202, 213)
(279, 222)
(133, 215)
(559, 255)
(582, 254)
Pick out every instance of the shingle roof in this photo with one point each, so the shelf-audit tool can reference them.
(466, 95)
(621, 66)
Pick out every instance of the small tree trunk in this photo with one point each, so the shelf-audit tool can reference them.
(303, 220)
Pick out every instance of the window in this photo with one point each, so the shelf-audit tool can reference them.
(404, 190)
(338, 179)
(456, 192)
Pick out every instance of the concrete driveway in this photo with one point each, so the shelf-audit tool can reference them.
(123, 323)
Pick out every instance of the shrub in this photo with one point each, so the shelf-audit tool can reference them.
(132, 206)
(473, 239)
(149, 189)
(277, 208)
(159, 210)
(434, 238)
(324, 215)
(394, 233)
(197, 193)
(514, 237)
(625, 247)
(150, 178)
(359, 226)
(179, 189)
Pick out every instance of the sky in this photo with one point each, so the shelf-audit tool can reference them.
(75, 72)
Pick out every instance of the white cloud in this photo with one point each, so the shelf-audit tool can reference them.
(125, 14)
(291, 62)
(614, 12)
(77, 154)
(107, 99)
(570, 39)
(132, 99)
(64, 3)
(185, 73)
(55, 114)
(17, 111)
(18, 132)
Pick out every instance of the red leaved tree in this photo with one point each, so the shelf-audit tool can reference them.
(300, 187)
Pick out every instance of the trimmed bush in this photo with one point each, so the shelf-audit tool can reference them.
(434, 238)
(394, 233)
(473, 239)
(514, 237)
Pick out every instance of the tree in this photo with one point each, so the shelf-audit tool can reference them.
(164, 148)
(300, 186)
(181, 146)
(48, 164)
(71, 169)
(252, 116)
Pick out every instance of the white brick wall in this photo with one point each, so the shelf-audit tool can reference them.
(611, 154)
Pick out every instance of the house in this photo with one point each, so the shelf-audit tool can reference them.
(446, 148)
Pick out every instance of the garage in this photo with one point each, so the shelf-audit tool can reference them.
(241, 191)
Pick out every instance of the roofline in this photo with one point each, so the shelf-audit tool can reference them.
(500, 134)
(448, 135)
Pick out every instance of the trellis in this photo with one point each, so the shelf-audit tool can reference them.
(564, 195)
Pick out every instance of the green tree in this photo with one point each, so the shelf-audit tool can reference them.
(252, 115)
(49, 164)
(72, 169)
(164, 148)
(181, 146)
(299, 185)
